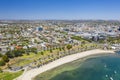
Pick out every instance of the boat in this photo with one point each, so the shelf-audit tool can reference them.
(115, 72)
(111, 78)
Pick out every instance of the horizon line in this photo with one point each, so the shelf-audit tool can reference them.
(58, 19)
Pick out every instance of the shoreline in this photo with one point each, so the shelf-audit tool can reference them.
(29, 75)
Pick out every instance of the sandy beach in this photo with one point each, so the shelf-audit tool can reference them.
(29, 75)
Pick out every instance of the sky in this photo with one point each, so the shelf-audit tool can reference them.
(60, 9)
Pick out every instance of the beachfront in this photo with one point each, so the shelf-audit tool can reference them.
(34, 72)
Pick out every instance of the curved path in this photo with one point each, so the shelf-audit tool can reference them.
(29, 75)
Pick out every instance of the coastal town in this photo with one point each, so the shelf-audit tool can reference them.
(59, 39)
(26, 45)
(44, 34)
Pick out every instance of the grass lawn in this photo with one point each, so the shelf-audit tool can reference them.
(21, 62)
(26, 59)
(10, 75)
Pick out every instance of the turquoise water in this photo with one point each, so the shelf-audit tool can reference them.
(105, 67)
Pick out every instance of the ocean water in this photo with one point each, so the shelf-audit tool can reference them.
(100, 67)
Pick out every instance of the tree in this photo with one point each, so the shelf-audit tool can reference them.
(42, 53)
(8, 66)
(60, 49)
(83, 42)
(1, 55)
(9, 54)
(34, 50)
(80, 38)
(69, 46)
(51, 51)
(18, 52)
(5, 58)
(35, 41)
(2, 63)
(1, 70)
(63, 48)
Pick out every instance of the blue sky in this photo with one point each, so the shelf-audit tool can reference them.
(60, 9)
